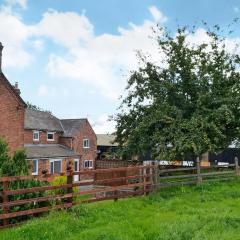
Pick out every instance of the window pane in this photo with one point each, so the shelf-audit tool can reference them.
(76, 166)
(57, 166)
(86, 143)
(36, 135)
(52, 169)
(50, 136)
(34, 166)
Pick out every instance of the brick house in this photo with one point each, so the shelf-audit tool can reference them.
(12, 109)
(51, 143)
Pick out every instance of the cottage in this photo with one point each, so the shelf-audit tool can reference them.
(51, 144)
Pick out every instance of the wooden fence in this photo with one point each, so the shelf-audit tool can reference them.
(103, 164)
(124, 182)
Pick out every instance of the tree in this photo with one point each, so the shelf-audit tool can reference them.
(186, 104)
(16, 166)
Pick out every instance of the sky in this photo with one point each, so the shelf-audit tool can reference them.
(74, 57)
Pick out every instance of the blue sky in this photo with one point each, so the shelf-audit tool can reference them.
(73, 57)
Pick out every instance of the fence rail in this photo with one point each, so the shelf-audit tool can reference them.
(123, 182)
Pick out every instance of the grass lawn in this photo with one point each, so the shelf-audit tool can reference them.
(210, 211)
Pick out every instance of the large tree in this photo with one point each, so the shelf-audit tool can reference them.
(186, 104)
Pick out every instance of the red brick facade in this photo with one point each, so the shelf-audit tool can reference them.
(11, 116)
(28, 137)
(76, 143)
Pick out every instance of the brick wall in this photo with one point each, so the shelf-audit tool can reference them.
(86, 132)
(67, 141)
(28, 138)
(44, 164)
(11, 118)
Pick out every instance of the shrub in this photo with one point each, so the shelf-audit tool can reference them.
(59, 181)
(18, 166)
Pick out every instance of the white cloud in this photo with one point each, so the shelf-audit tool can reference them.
(103, 125)
(45, 91)
(13, 35)
(200, 36)
(66, 28)
(21, 3)
(157, 15)
(38, 44)
(100, 61)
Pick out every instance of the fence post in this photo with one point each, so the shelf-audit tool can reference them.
(5, 200)
(147, 179)
(115, 192)
(237, 166)
(70, 181)
(156, 175)
(199, 177)
(144, 180)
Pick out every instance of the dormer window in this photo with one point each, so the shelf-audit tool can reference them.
(50, 136)
(85, 143)
(36, 135)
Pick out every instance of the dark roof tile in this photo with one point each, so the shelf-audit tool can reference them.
(49, 151)
(72, 126)
(39, 120)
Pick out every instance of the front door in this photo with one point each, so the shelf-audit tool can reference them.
(76, 169)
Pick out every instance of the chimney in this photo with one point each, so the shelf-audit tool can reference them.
(17, 88)
(1, 48)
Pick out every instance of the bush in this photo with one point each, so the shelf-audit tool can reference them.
(18, 166)
(59, 181)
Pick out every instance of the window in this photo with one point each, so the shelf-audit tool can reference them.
(36, 135)
(34, 167)
(50, 136)
(56, 166)
(88, 164)
(85, 143)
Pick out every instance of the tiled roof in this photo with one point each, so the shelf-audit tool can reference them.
(106, 140)
(72, 126)
(39, 120)
(48, 151)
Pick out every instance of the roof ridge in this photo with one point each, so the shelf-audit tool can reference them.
(12, 89)
(73, 119)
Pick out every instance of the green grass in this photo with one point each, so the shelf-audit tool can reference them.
(209, 211)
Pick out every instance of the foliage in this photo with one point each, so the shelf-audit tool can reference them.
(18, 166)
(4, 158)
(187, 103)
(12, 167)
(210, 211)
(59, 181)
(35, 107)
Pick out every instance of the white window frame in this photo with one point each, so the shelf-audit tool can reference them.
(89, 161)
(84, 140)
(52, 161)
(36, 172)
(51, 140)
(36, 139)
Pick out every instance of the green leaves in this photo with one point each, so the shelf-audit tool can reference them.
(185, 105)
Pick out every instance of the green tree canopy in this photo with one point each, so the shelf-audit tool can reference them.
(186, 104)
